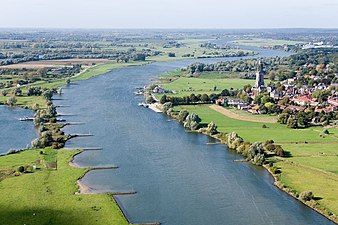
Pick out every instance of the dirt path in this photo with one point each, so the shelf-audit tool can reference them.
(236, 116)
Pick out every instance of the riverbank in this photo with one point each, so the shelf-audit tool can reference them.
(47, 196)
(300, 178)
(99, 209)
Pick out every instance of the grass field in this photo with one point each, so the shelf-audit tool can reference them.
(311, 167)
(242, 115)
(253, 131)
(186, 86)
(259, 42)
(190, 46)
(47, 196)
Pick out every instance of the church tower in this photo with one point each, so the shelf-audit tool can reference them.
(259, 75)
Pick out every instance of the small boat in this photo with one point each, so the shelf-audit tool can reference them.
(143, 104)
(139, 93)
(26, 119)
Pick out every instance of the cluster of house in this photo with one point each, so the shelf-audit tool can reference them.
(320, 44)
(13, 84)
(299, 97)
(159, 90)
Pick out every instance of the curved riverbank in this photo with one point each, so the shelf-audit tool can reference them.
(276, 176)
(313, 204)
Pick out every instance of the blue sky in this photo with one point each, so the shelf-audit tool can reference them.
(169, 13)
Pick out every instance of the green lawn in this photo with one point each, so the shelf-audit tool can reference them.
(47, 196)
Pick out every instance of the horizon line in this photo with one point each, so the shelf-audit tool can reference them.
(173, 28)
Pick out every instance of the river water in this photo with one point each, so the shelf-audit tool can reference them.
(15, 134)
(178, 177)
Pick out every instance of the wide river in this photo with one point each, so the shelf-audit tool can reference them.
(15, 134)
(178, 177)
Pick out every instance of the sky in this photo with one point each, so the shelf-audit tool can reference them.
(182, 14)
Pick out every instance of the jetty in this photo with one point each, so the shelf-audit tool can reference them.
(62, 106)
(74, 123)
(124, 193)
(86, 149)
(82, 135)
(66, 115)
(103, 168)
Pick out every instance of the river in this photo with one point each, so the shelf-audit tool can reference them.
(178, 177)
(15, 134)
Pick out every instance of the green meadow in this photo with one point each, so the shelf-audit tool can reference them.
(313, 161)
(253, 131)
(47, 196)
(184, 86)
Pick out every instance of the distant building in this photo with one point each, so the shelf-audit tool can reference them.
(259, 75)
(259, 84)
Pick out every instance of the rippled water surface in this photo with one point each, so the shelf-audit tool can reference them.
(14, 133)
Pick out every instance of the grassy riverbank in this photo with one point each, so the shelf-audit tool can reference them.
(29, 101)
(47, 195)
(312, 161)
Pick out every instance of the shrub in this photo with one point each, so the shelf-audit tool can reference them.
(21, 169)
(279, 150)
(183, 115)
(306, 195)
(325, 131)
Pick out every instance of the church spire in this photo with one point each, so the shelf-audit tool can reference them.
(259, 74)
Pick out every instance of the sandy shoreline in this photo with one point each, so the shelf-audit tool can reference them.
(83, 189)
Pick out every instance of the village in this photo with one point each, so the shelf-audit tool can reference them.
(316, 104)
